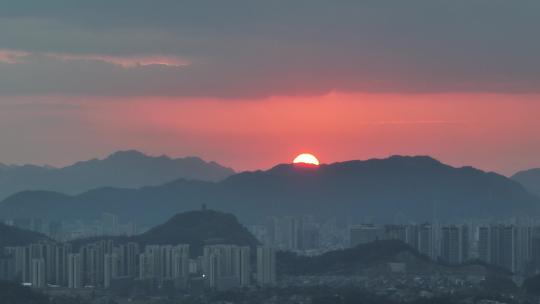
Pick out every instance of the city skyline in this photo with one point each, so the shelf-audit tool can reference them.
(269, 151)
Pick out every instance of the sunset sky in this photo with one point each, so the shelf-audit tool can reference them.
(250, 84)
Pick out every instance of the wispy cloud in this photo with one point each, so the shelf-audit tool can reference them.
(259, 49)
(128, 61)
(12, 57)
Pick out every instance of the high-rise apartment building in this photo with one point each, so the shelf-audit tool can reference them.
(454, 244)
(38, 274)
(266, 266)
(227, 265)
(74, 269)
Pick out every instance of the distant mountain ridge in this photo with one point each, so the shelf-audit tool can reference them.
(530, 179)
(415, 188)
(123, 169)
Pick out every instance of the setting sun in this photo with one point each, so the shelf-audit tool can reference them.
(306, 158)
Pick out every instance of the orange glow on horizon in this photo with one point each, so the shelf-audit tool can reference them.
(482, 130)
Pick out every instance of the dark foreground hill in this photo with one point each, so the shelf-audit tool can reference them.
(198, 228)
(375, 258)
(532, 285)
(195, 228)
(12, 236)
(413, 188)
(126, 169)
(15, 293)
(530, 179)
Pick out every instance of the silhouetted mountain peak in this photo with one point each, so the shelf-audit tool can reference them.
(199, 216)
(395, 163)
(532, 171)
(126, 155)
(530, 179)
(213, 223)
(199, 227)
(423, 160)
(123, 169)
(292, 169)
(408, 185)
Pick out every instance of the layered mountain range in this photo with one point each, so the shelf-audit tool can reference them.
(124, 169)
(409, 187)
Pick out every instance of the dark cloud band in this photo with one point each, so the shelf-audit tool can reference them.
(259, 49)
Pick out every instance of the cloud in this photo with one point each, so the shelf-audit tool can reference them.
(12, 57)
(126, 61)
(256, 49)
